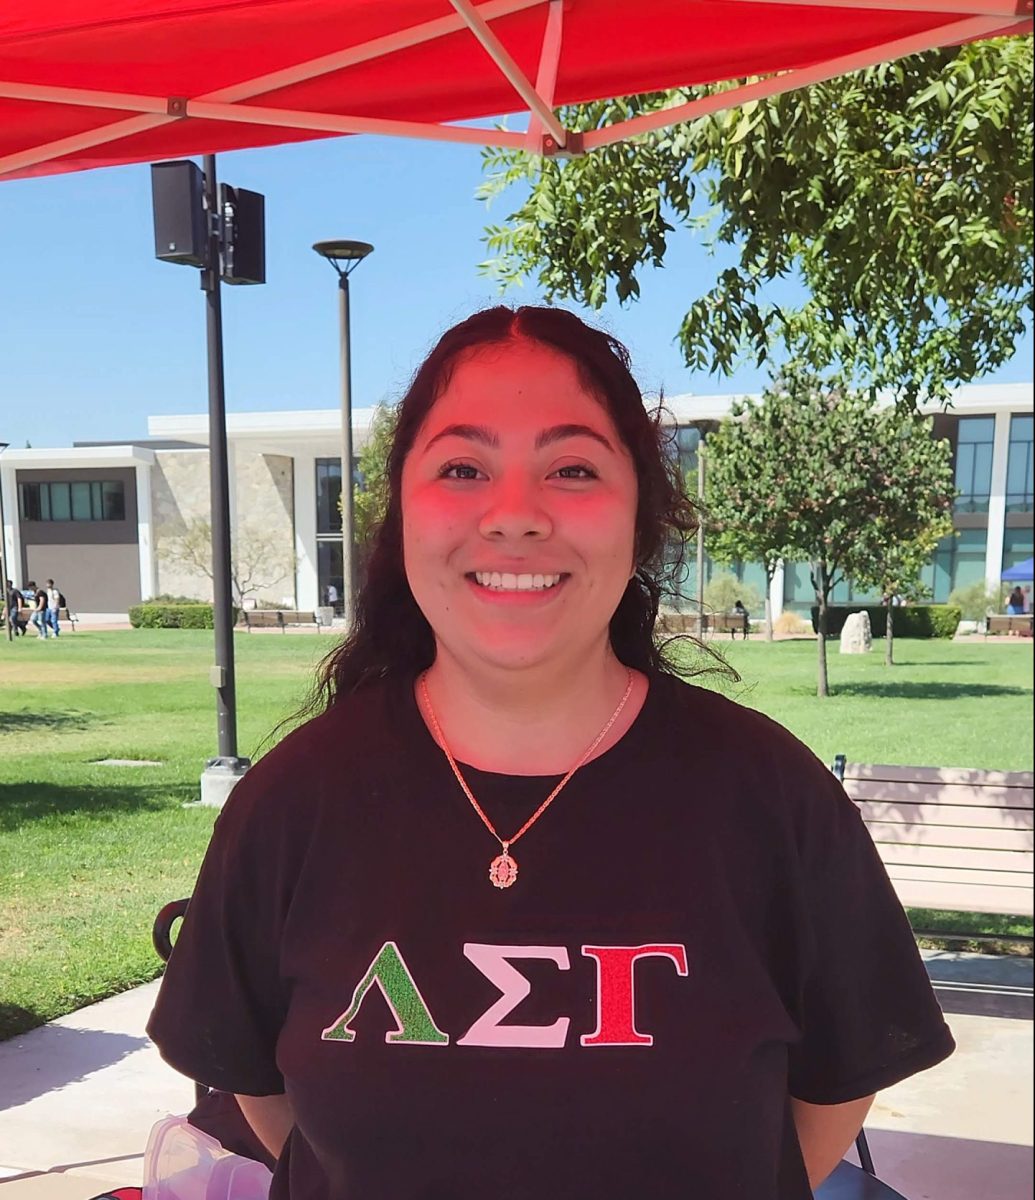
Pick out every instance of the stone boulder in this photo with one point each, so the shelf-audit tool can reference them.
(856, 637)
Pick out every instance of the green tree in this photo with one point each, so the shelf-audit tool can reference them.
(815, 472)
(743, 475)
(370, 494)
(913, 515)
(899, 196)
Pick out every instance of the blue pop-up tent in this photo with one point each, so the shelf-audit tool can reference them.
(1021, 572)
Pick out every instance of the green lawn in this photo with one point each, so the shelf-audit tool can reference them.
(88, 853)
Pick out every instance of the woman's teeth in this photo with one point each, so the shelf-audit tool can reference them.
(505, 582)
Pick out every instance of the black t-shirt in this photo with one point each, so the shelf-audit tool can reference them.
(700, 927)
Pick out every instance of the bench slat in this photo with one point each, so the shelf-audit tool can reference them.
(946, 814)
(1023, 779)
(957, 856)
(959, 878)
(956, 897)
(898, 834)
(941, 793)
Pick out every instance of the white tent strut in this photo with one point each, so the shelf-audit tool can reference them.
(545, 134)
(510, 70)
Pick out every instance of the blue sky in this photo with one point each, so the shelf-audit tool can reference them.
(96, 334)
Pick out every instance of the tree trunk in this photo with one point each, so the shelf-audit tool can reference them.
(821, 586)
(889, 636)
(769, 602)
(822, 687)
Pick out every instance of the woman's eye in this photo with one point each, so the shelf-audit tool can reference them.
(576, 472)
(458, 470)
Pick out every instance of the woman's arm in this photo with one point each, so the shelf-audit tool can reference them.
(825, 1132)
(270, 1117)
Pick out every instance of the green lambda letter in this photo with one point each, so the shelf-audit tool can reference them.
(414, 1023)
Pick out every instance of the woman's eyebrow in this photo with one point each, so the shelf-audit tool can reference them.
(545, 437)
(557, 433)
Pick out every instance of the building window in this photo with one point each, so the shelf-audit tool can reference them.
(81, 500)
(1017, 546)
(974, 463)
(328, 496)
(1019, 474)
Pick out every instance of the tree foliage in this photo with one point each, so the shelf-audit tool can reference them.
(899, 196)
(370, 495)
(815, 472)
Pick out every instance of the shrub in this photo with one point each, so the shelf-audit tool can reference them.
(977, 601)
(166, 598)
(724, 588)
(911, 620)
(191, 614)
(789, 622)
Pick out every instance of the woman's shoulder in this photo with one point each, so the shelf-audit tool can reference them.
(745, 751)
(330, 746)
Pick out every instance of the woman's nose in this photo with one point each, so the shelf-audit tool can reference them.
(514, 510)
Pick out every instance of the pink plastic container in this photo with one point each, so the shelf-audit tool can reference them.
(182, 1163)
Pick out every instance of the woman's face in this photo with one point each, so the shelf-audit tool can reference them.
(519, 511)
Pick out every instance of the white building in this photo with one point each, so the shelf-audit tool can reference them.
(102, 519)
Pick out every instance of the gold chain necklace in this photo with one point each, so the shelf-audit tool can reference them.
(503, 869)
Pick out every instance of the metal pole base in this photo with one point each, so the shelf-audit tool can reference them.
(218, 779)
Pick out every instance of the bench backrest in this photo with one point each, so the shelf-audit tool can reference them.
(950, 838)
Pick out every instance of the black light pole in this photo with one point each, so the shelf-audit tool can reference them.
(220, 230)
(222, 674)
(8, 616)
(344, 257)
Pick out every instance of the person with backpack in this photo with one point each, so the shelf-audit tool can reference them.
(55, 602)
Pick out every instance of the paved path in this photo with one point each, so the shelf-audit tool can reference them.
(78, 1097)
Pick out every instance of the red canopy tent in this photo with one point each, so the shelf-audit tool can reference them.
(140, 80)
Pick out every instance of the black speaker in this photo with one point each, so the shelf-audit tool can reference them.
(177, 192)
(244, 233)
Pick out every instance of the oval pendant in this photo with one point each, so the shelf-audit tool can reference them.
(503, 871)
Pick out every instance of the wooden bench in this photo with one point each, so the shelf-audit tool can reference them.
(727, 622)
(275, 618)
(26, 614)
(950, 838)
(1007, 623)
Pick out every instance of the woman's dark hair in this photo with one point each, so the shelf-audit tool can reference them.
(390, 635)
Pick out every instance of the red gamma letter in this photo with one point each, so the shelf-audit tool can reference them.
(616, 1023)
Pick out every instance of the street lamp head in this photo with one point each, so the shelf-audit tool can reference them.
(344, 256)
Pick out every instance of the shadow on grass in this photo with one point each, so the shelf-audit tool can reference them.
(45, 721)
(904, 689)
(22, 803)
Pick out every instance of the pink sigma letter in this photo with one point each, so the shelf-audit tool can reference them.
(616, 1024)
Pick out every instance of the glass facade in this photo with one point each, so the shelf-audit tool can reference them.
(328, 496)
(329, 558)
(87, 500)
(974, 463)
(1017, 546)
(1019, 474)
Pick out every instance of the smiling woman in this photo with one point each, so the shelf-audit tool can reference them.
(628, 939)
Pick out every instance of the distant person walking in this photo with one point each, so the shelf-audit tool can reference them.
(14, 604)
(38, 599)
(54, 602)
(740, 611)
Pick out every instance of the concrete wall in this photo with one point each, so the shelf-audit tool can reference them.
(179, 495)
(96, 564)
(261, 518)
(263, 523)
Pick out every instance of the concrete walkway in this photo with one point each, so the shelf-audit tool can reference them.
(78, 1097)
